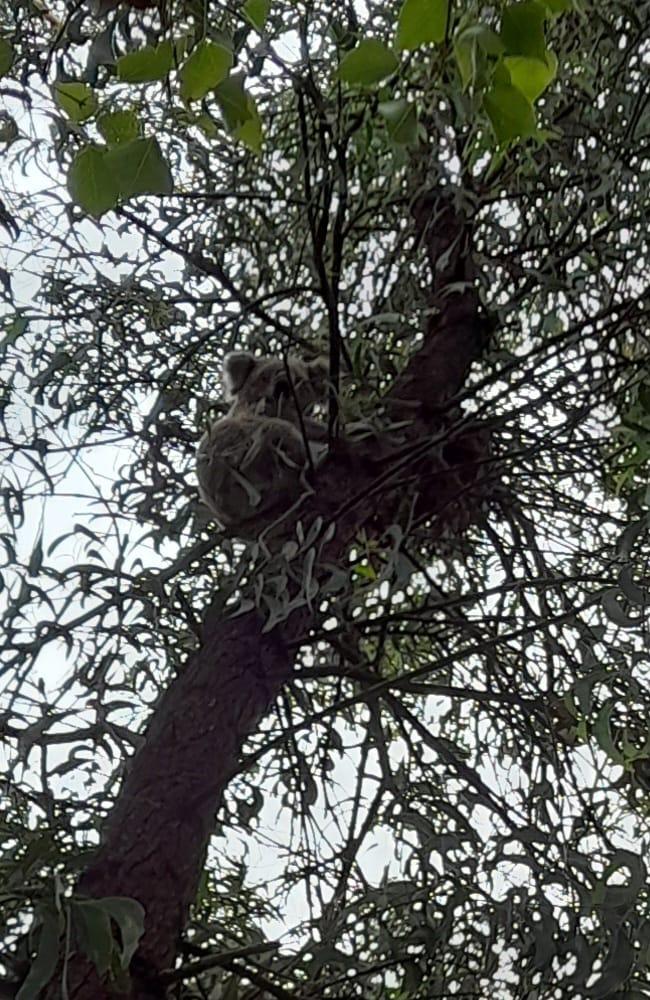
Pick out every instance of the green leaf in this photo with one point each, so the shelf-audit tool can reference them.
(531, 76)
(250, 132)
(257, 12)
(76, 99)
(93, 932)
(119, 126)
(512, 115)
(522, 29)
(128, 914)
(233, 101)
(368, 63)
(421, 21)
(401, 119)
(208, 65)
(239, 112)
(471, 47)
(91, 182)
(45, 963)
(557, 7)
(6, 56)
(139, 168)
(147, 64)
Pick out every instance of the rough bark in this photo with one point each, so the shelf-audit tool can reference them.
(154, 843)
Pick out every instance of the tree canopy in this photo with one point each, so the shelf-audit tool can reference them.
(403, 750)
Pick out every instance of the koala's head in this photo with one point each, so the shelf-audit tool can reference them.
(266, 385)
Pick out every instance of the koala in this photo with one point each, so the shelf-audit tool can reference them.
(251, 464)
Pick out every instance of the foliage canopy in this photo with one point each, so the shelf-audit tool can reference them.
(451, 794)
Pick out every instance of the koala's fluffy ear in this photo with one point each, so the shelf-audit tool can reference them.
(237, 367)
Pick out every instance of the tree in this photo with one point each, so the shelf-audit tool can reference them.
(424, 703)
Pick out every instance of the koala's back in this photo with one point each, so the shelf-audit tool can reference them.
(248, 466)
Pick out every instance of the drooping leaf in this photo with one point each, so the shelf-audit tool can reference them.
(257, 12)
(401, 119)
(47, 956)
(147, 64)
(6, 56)
(76, 99)
(119, 126)
(370, 62)
(93, 932)
(91, 182)
(421, 21)
(139, 168)
(471, 47)
(208, 65)
(239, 111)
(128, 914)
(233, 101)
(511, 114)
(530, 75)
(522, 29)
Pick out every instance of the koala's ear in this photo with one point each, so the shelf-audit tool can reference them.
(237, 367)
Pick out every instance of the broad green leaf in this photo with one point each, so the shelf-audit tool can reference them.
(511, 114)
(531, 76)
(76, 99)
(421, 21)
(370, 62)
(401, 119)
(139, 168)
(522, 29)
(128, 914)
(6, 56)
(119, 126)
(92, 926)
(250, 132)
(257, 12)
(233, 101)
(147, 64)
(44, 965)
(239, 112)
(92, 183)
(208, 65)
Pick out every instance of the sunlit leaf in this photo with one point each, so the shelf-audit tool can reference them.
(421, 21)
(370, 62)
(530, 75)
(208, 65)
(147, 64)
